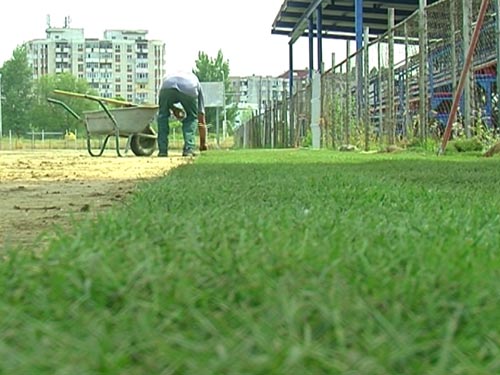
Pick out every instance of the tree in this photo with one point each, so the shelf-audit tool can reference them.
(52, 117)
(17, 82)
(216, 69)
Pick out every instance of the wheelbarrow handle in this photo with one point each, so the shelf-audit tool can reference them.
(96, 98)
(65, 106)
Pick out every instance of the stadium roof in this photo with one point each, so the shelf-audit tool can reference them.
(338, 17)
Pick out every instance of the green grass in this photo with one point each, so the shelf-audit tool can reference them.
(271, 262)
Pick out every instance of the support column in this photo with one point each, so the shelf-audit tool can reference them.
(319, 27)
(366, 91)
(316, 110)
(311, 46)
(358, 8)
(422, 87)
(390, 99)
(291, 121)
(381, 127)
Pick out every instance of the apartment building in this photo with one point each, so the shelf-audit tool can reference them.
(258, 92)
(123, 64)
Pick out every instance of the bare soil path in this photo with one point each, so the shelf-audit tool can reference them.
(40, 189)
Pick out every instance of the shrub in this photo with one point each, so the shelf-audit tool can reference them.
(468, 145)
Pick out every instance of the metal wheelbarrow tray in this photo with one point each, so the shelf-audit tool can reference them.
(132, 122)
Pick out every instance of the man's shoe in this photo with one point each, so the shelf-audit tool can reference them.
(163, 154)
(188, 153)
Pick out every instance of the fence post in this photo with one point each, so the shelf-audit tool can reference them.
(407, 119)
(381, 128)
(390, 103)
(284, 117)
(422, 87)
(347, 117)
(453, 27)
(334, 104)
(366, 90)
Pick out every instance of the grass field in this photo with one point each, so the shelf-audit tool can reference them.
(271, 262)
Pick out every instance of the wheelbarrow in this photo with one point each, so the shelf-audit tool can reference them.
(133, 121)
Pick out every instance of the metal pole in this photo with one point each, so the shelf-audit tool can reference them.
(366, 90)
(1, 130)
(358, 10)
(407, 119)
(224, 123)
(390, 99)
(270, 110)
(347, 118)
(319, 27)
(334, 104)
(497, 12)
(311, 47)
(453, 26)
(291, 122)
(466, 40)
(422, 87)
(381, 127)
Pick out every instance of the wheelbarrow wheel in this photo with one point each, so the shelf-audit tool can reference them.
(143, 146)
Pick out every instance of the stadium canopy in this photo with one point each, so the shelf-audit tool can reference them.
(340, 19)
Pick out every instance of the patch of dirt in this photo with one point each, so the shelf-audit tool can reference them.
(40, 189)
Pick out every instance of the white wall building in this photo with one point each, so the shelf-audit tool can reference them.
(122, 64)
(258, 92)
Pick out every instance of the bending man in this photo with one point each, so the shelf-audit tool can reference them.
(184, 89)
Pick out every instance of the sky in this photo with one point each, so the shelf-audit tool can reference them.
(241, 29)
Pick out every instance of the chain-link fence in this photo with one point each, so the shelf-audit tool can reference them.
(399, 88)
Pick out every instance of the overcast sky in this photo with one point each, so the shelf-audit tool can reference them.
(240, 28)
